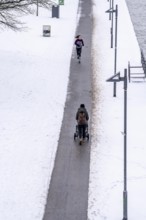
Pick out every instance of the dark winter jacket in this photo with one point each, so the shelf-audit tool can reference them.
(86, 114)
(79, 43)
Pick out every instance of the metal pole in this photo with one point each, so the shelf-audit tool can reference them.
(110, 8)
(115, 62)
(112, 24)
(37, 12)
(125, 196)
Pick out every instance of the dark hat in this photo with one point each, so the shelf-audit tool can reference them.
(77, 36)
(82, 106)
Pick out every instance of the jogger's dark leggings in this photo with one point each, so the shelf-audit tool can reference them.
(79, 51)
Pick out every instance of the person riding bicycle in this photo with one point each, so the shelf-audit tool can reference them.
(82, 118)
(79, 44)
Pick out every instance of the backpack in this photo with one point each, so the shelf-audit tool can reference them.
(82, 118)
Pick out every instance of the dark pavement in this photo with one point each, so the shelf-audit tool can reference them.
(68, 191)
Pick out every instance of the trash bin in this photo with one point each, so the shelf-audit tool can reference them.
(55, 11)
(46, 30)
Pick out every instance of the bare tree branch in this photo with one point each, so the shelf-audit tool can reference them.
(10, 10)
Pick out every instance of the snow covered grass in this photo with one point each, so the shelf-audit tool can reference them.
(107, 150)
(34, 75)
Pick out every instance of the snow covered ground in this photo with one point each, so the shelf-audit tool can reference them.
(107, 161)
(34, 75)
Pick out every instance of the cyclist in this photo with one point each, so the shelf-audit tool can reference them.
(79, 44)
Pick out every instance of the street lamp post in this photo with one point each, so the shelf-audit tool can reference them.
(115, 62)
(37, 11)
(111, 10)
(125, 148)
(112, 6)
(117, 78)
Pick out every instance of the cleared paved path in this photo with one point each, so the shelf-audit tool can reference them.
(68, 192)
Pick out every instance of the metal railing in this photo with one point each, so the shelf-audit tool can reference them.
(139, 72)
